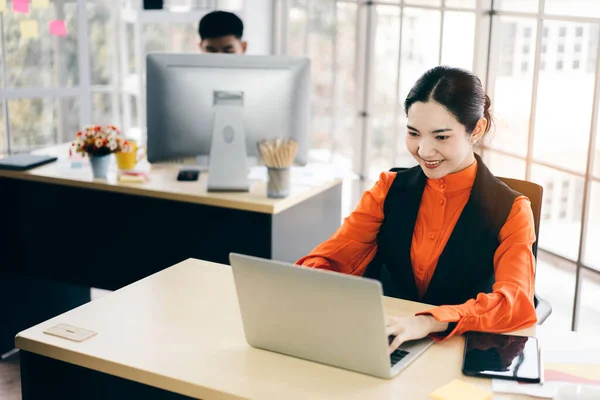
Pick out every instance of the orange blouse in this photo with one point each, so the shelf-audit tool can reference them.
(509, 307)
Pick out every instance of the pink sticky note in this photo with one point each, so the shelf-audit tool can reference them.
(58, 28)
(20, 6)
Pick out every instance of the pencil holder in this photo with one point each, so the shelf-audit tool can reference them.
(278, 185)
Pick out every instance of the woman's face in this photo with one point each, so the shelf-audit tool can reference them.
(436, 139)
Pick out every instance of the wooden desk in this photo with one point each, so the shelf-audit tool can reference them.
(179, 333)
(67, 227)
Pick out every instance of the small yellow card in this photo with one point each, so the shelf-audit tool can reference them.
(29, 29)
(2, 5)
(460, 390)
(40, 3)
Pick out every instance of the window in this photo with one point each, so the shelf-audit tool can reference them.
(526, 49)
(527, 32)
(562, 31)
(326, 32)
(45, 62)
(570, 8)
(524, 66)
(512, 113)
(563, 214)
(547, 200)
(590, 298)
(509, 32)
(549, 132)
(591, 48)
(591, 255)
(506, 166)
(567, 66)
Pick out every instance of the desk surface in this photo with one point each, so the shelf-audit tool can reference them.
(163, 184)
(181, 330)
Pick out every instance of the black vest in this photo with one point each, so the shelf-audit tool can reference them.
(466, 266)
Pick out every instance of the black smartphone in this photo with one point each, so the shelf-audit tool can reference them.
(188, 175)
(496, 356)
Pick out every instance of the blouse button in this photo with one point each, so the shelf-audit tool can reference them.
(443, 186)
(442, 202)
(432, 236)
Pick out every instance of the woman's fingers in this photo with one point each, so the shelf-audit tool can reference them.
(394, 329)
(397, 330)
(397, 342)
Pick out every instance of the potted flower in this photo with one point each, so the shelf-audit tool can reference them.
(99, 143)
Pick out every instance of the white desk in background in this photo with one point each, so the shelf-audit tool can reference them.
(65, 227)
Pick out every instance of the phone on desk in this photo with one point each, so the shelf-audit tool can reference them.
(496, 356)
(188, 175)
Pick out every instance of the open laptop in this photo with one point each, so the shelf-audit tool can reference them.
(318, 315)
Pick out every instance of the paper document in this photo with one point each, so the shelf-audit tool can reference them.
(560, 369)
(29, 29)
(20, 6)
(58, 28)
(40, 3)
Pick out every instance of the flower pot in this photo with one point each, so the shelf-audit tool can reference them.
(100, 166)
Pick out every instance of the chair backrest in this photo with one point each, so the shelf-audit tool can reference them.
(535, 193)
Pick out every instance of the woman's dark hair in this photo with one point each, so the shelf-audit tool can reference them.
(458, 90)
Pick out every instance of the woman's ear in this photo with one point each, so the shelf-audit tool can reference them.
(479, 130)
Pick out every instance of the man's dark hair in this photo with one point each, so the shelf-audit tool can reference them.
(220, 23)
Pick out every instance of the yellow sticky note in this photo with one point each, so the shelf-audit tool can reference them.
(2, 5)
(40, 3)
(460, 390)
(29, 28)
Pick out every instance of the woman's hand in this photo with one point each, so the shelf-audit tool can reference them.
(412, 328)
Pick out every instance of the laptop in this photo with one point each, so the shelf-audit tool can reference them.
(318, 315)
(23, 162)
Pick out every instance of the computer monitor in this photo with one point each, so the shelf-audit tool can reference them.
(271, 94)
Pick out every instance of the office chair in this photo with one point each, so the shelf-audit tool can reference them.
(534, 192)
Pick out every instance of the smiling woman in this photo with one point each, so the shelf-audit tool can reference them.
(448, 112)
(446, 232)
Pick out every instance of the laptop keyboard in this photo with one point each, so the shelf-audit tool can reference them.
(397, 355)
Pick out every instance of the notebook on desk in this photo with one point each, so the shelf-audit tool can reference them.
(23, 162)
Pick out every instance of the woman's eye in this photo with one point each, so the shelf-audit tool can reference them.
(442, 137)
(413, 134)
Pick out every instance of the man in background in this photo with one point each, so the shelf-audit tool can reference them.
(222, 32)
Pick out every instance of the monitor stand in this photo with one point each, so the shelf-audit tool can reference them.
(228, 169)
